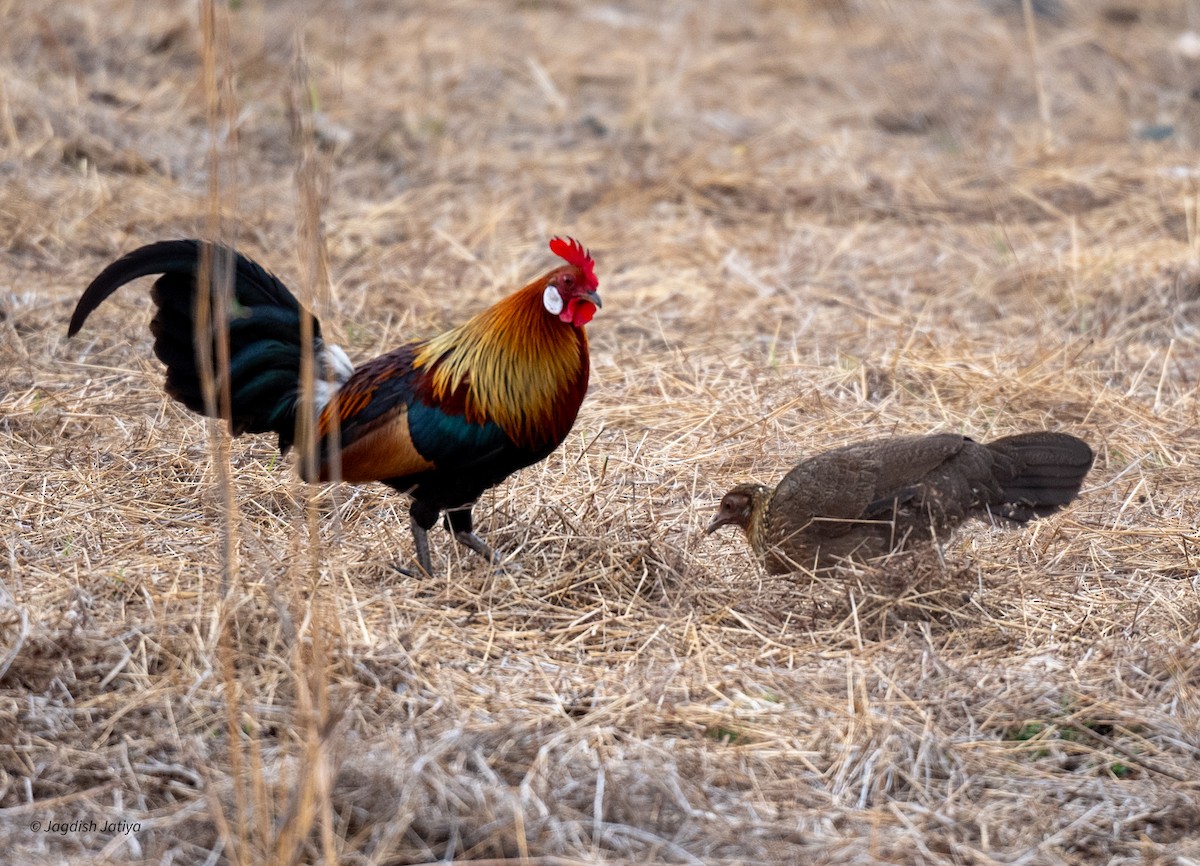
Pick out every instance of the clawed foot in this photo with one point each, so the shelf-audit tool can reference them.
(477, 544)
(423, 566)
(416, 571)
(407, 570)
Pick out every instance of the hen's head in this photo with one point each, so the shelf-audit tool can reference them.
(570, 291)
(740, 506)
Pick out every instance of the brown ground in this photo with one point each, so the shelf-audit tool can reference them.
(813, 222)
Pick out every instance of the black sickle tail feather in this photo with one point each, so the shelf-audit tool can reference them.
(264, 332)
(1039, 472)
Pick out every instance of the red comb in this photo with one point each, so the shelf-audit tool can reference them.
(573, 252)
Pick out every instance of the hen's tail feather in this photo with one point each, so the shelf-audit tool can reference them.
(1039, 473)
(264, 329)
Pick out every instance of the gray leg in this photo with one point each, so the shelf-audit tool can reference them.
(462, 527)
(421, 543)
(477, 544)
(421, 517)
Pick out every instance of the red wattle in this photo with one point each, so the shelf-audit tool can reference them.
(578, 312)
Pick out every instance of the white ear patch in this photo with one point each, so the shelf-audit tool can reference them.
(552, 300)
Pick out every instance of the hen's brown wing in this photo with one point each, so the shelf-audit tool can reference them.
(852, 482)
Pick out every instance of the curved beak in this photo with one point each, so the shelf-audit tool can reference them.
(593, 297)
(721, 519)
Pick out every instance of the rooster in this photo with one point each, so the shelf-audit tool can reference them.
(442, 419)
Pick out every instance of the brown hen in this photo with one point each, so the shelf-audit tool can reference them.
(869, 499)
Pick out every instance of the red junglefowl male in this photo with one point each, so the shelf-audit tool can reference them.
(442, 419)
(866, 500)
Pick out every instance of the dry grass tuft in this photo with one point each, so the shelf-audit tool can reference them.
(813, 223)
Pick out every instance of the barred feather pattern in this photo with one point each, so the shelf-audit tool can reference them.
(760, 513)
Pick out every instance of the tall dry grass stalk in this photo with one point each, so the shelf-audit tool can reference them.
(269, 824)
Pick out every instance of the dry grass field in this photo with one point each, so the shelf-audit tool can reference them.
(813, 222)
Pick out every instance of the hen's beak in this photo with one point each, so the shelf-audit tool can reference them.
(720, 520)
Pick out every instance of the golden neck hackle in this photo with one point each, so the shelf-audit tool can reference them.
(521, 368)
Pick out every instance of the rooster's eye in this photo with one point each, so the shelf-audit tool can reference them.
(567, 281)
